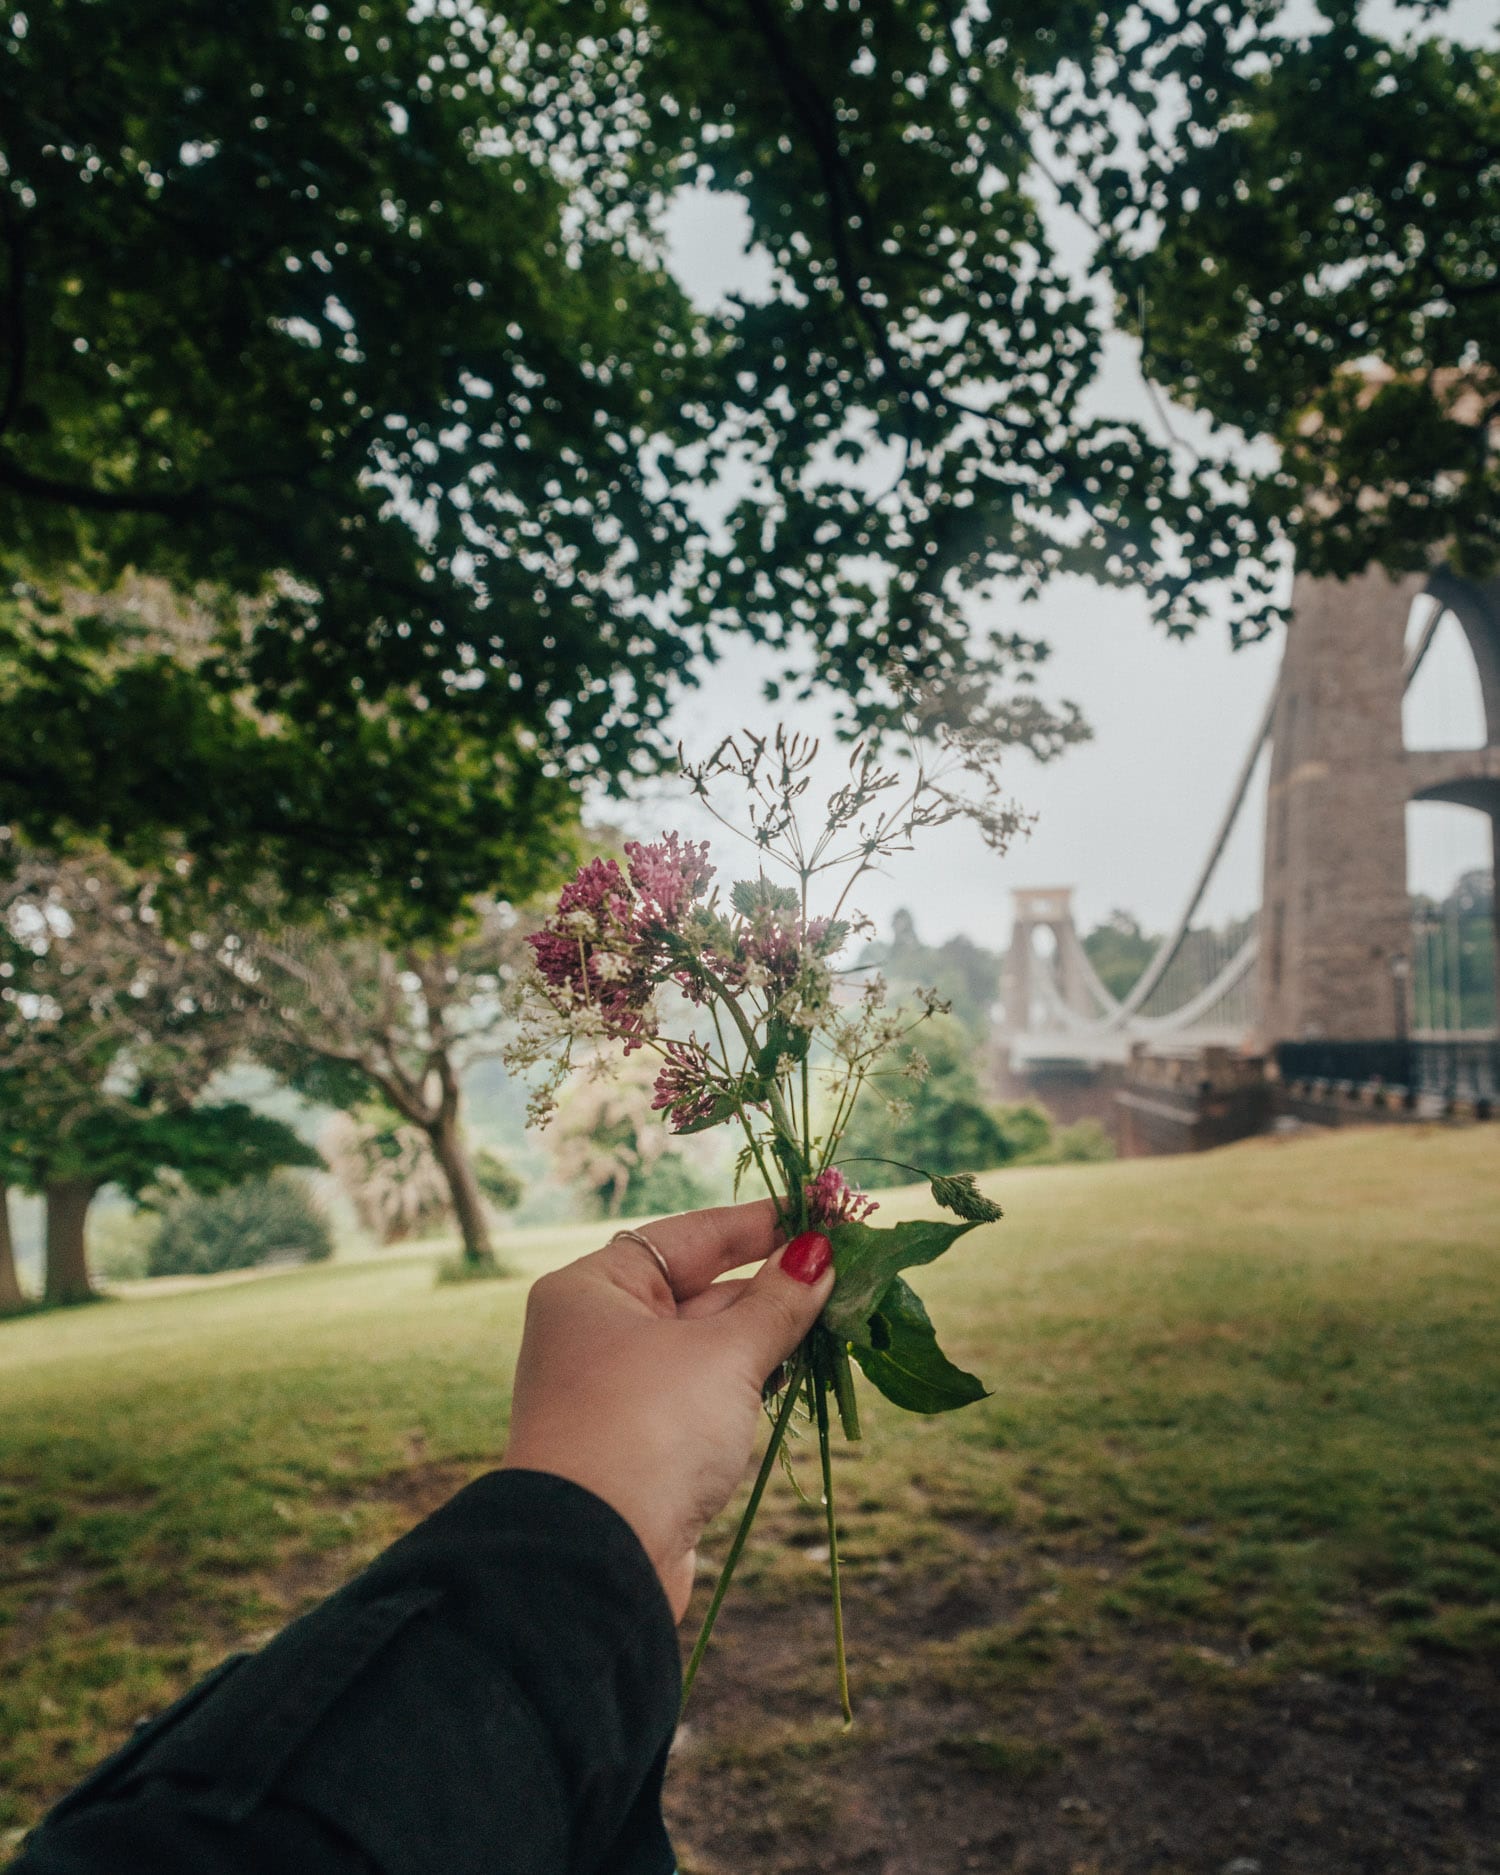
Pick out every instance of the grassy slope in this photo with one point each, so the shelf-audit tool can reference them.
(1250, 1398)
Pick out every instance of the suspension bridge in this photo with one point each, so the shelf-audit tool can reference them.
(1332, 977)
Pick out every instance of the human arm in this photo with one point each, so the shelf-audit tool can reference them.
(498, 1690)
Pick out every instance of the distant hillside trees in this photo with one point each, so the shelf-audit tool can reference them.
(925, 1110)
(964, 974)
(1119, 950)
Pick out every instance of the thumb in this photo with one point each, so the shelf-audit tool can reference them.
(781, 1303)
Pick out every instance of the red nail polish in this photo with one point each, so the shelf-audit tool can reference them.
(806, 1257)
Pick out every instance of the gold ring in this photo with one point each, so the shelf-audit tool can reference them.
(646, 1244)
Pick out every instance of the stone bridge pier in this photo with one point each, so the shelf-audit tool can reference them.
(1335, 927)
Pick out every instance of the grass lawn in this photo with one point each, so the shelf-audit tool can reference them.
(1240, 1461)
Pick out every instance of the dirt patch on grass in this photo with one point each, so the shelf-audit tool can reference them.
(1001, 1726)
(1099, 1758)
(151, 1611)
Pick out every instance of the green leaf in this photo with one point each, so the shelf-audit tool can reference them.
(782, 1038)
(724, 1108)
(867, 1257)
(749, 896)
(907, 1365)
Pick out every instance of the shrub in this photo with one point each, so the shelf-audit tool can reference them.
(263, 1220)
(1085, 1142)
(611, 1146)
(120, 1238)
(396, 1186)
(941, 1121)
(1027, 1129)
(670, 1186)
(503, 1187)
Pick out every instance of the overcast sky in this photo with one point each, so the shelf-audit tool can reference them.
(1126, 818)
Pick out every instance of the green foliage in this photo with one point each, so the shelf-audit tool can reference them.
(903, 1359)
(942, 1124)
(1085, 1142)
(1119, 950)
(208, 1147)
(126, 1143)
(500, 1184)
(609, 1144)
(1310, 255)
(245, 1224)
(223, 372)
(1026, 1129)
(963, 973)
(867, 1257)
(670, 1184)
(120, 1238)
(110, 1035)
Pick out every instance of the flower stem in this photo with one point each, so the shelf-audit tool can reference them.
(757, 1491)
(867, 1158)
(843, 1392)
(820, 1394)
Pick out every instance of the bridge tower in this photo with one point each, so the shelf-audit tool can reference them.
(1335, 927)
(1037, 909)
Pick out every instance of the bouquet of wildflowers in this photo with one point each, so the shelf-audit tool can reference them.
(742, 999)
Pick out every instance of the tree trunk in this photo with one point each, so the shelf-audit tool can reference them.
(68, 1204)
(12, 1296)
(463, 1187)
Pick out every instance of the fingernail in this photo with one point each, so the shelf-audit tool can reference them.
(806, 1257)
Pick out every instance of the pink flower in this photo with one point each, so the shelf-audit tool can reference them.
(684, 1087)
(669, 874)
(831, 1200)
(589, 949)
(775, 943)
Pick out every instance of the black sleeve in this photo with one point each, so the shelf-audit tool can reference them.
(495, 1695)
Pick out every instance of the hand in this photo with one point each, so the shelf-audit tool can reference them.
(649, 1395)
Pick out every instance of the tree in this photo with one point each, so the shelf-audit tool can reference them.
(12, 1296)
(609, 1142)
(396, 1186)
(963, 973)
(450, 514)
(926, 1112)
(1119, 950)
(110, 1035)
(346, 1017)
(1307, 245)
(387, 1170)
